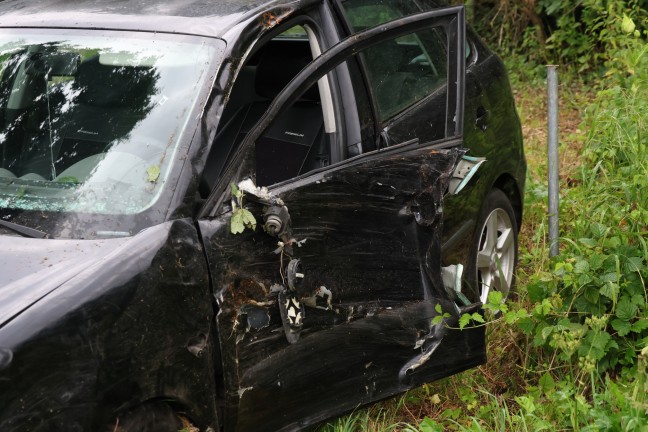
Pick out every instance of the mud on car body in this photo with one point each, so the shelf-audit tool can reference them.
(245, 214)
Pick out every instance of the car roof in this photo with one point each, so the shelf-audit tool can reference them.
(199, 17)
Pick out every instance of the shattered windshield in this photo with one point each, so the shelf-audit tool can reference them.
(92, 123)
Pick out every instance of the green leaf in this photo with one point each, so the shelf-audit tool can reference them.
(581, 267)
(495, 302)
(547, 331)
(588, 242)
(611, 291)
(594, 345)
(543, 308)
(591, 294)
(236, 223)
(442, 315)
(612, 242)
(536, 291)
(526, 403)
(638, 299)
(625, 309)
(628, 25)
(634, 264)
(464, 320)
(477, 318)
(515, 316)
(495, 297)
(152, 173)
(640, 325)
(248, 219)
(621, 327)
(584, 279)
(241, 219)
(429, 425)
(609, 277)
(596, 261)
(510, 317)
(526, 325)
(597, 229)
(547, 383)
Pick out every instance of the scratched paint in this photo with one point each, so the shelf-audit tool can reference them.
(370, 237)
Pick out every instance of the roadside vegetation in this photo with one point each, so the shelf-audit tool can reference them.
(570, 351)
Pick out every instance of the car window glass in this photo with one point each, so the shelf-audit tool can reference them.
(295, 143)
(298, 32)
(92, 123)
(404, 70)
(365, 120)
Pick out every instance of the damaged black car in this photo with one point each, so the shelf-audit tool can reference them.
(245, 215)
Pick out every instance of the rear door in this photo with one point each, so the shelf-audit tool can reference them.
(327, 296)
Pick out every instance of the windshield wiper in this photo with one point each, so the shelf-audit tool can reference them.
(23, 230)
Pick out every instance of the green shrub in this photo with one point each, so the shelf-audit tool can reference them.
(581, 35)
(593, 305)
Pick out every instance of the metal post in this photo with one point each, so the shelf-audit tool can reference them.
(552, 167)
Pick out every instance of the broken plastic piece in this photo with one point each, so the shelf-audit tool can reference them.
(429, 346)
(464, 172)
(322, 299)
(261, 193)
(294, 274)
(452, 279)
(292, 315)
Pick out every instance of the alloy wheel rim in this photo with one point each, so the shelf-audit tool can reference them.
(496, 255)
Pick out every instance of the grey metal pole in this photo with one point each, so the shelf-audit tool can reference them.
(552, 167)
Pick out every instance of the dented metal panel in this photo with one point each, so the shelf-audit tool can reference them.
(115, 323)
(367, 235)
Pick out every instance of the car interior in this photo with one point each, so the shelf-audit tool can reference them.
(60, 111)
(295, 143)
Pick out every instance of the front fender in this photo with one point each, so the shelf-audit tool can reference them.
(132, 327)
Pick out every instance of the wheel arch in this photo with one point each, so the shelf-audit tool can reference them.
(507, 184)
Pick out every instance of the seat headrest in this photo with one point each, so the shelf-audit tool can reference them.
(115, 86)
(280, 61)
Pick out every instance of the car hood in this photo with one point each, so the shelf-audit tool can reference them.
(32, 268)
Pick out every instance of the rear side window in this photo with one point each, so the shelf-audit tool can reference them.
(404, 70)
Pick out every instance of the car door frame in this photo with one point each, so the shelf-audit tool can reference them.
(326, 62)
(319, 67)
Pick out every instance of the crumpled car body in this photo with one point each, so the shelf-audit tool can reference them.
(246, 215)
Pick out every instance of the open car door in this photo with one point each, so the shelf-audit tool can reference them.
(327, 297)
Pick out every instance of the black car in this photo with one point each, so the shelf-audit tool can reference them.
(244, 214)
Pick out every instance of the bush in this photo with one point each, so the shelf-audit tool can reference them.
(581, 35)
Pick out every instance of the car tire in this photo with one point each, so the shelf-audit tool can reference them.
(494, 250)
(153, 416)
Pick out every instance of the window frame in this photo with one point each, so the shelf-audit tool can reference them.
(383, 125)
(327, 62)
